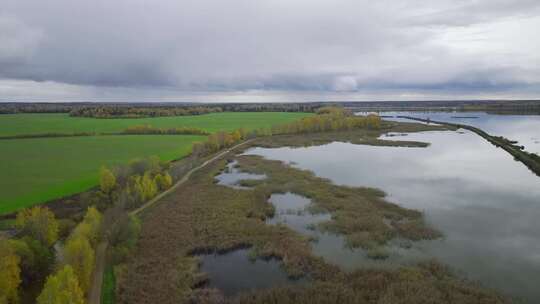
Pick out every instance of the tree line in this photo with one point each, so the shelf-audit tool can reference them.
(148, 129)
(145, 129)
(490, 106)
(111, 110)
(137, 112)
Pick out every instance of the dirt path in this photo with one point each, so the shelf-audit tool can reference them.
(94, 295)
(184, 179)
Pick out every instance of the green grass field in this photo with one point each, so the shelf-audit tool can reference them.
(37, 170)
(16, 124)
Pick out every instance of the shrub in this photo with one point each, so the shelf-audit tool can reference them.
(163, 182)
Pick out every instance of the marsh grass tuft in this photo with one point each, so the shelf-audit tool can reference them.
(378, 253)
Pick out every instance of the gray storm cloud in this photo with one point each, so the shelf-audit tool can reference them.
(269, 46)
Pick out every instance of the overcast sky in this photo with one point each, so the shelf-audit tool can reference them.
(268, 50)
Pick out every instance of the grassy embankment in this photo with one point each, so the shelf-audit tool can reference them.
(41, 169)
(214, 218)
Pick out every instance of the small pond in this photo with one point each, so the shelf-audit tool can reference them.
(231, 176)
(236, 272)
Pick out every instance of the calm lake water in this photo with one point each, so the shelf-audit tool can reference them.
(486, 204)
(523, 128)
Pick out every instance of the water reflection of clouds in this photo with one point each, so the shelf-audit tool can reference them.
(523, 128)
(486, 204)
(231, 176)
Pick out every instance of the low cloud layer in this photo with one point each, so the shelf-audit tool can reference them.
(205, 50)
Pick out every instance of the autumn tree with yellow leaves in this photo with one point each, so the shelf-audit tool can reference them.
(10, 273)
(62, 288)
(38, 223)
(107, 180)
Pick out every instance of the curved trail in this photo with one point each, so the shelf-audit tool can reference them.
(94, 295)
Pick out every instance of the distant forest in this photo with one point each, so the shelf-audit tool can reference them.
(137, 110)
(134, 110)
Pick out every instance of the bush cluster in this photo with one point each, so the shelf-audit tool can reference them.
(135, 183)
(220, 140)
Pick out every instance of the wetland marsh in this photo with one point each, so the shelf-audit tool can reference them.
(483, 202)
(343, 235)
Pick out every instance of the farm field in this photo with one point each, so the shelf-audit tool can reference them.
(37, 170)
(17, 124)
